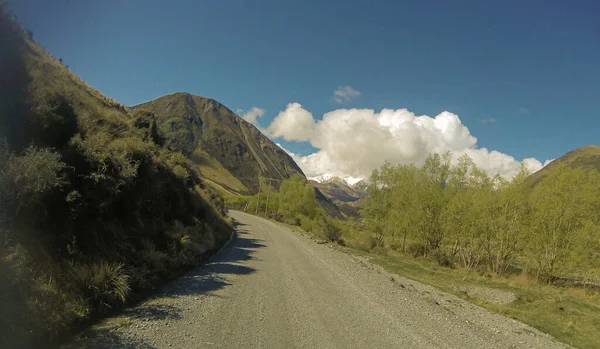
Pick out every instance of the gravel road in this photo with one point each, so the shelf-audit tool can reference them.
(271, 287)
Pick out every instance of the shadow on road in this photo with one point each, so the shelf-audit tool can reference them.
(205, 279)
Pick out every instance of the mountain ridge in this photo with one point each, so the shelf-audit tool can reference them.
(231, 154)
(348, 198)
(227, 149)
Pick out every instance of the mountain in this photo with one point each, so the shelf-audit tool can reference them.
(361, 185)
(231, 154)
(327, 177)
(347, 197)
(587, 157)
(228, 151)
(338, 190)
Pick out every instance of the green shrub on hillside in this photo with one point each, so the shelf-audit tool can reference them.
(103, 285)
(93, 208)
(326, 228)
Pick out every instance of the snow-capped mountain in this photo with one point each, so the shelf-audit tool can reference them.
(328, 177)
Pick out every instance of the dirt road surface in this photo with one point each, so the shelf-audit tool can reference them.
(271, 287)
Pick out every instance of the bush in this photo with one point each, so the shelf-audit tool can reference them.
(443, 259)
(306, 223)
(53, 309)
(326, 229)
(102, 284)
(417, 249)
(156, 261)
(364, 243)
(31, 175)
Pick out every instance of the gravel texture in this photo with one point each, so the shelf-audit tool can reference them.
(271, 287)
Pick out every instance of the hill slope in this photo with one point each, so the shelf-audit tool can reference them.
(93, 209)
(587, 157)
(338, 190)
(226, 149)
(346, 197)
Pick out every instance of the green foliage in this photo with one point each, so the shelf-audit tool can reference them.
(93, 207)
(406, 203)
(31, 175)
(560, 217)
(102, 284)
(295, 203)
(297, 197)
(327, 229)
(468, 218)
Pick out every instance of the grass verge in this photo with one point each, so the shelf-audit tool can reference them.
(571, 315)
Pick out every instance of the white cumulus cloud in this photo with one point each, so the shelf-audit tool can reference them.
(251, 115)
(345, 94)
(353, 142)
(293, 124)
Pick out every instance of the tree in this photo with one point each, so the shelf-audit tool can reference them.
(558, 218)
(466, 218)
(431, 199)
(508, 215)
(296, 199)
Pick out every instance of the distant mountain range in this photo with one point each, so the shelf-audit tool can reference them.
(349, 198)
(327, 177)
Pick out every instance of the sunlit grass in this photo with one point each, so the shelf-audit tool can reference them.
(569, 314)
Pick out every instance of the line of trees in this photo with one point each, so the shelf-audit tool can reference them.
(294, 203)
(456, 210)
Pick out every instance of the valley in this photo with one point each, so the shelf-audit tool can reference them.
(177, 222)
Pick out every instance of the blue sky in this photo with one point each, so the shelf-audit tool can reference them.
(531, 67)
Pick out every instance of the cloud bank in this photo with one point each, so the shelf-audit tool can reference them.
(345, 94)
(353, 142)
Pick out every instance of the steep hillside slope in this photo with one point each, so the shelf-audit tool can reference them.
(346, 197)
(93, 209)
(338, 190)
(226, 149)
(587, 157)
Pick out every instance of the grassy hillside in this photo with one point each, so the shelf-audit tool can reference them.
(587, 157)
(93, 208)
(223, 147)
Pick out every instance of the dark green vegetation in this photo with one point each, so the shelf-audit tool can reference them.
(94, 208)
(346, 197)
(226, 149)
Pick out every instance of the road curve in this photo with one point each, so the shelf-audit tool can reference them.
(271, 287)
